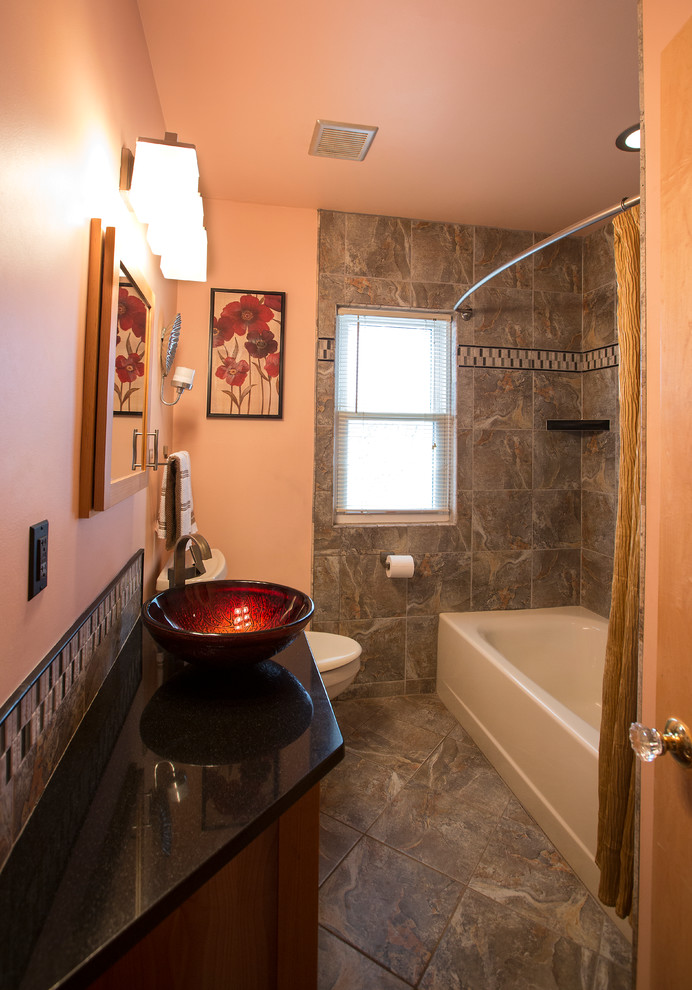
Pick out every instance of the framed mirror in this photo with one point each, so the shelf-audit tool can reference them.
(119, 322)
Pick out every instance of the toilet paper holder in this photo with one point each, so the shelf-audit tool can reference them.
(397, 565)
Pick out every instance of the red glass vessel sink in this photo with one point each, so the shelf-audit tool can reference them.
(222, 623)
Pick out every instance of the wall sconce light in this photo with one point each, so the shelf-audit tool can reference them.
(162, 180)
(182, 377)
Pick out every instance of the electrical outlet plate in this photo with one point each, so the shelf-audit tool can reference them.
(38, 557)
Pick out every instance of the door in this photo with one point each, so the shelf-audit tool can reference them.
(671, 870)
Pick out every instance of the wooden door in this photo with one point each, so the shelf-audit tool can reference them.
(671, 945)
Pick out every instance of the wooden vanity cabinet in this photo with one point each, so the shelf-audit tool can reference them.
(253, 926)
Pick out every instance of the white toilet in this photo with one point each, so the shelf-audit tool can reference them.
(215, 570)
(337, 659)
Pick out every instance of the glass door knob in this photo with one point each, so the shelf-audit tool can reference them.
(648, 744)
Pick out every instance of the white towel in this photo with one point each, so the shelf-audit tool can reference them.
(176, 513)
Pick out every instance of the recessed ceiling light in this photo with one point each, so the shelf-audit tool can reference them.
(332, 139)
(629, 140)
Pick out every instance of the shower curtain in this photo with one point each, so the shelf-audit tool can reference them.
(616, 784)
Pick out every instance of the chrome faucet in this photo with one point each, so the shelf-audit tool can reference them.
(179, 574)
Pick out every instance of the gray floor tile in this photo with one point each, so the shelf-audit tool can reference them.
(489, 947)
(423, 710)
(336, 839)
(610, 976)
(517, 812)
(389, 906)
(458, 767)
(390, 742)
(614, 945)
(436, 828)
(433, 805)
(340, 967)
(351, 713)
(357, 791)
(522, 869)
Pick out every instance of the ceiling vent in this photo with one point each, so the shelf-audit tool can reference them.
(332, 139)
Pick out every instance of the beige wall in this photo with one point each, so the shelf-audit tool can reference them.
(252, 479)
(661, 21)
(76, 85)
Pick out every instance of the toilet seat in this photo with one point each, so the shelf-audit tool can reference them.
(331, 650)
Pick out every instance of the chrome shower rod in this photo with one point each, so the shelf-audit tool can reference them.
(625, 204)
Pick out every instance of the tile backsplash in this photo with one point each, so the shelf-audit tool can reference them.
(37, 723)
(535, 509)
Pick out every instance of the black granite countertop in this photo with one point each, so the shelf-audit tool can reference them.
(171, 773)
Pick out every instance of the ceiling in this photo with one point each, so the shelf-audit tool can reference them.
(490, 112)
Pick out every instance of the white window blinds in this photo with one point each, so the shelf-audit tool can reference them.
(395, 424)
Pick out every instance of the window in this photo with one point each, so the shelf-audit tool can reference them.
(395, 426)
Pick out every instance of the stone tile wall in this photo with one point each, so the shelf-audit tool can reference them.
(517, 541)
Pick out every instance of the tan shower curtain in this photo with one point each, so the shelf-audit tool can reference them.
(616, 783)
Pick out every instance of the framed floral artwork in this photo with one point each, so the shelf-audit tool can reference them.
(246, 345)
(130, 348)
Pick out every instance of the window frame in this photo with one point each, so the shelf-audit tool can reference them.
(446, 418)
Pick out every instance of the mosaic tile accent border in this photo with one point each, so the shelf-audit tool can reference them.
(471, 356)
(325, 349)
(600, 357)
(37, 723)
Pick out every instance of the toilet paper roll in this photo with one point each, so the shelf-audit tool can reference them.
(399, 566)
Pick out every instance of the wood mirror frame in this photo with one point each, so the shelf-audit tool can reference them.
(98, 490)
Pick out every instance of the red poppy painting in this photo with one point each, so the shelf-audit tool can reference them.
(128, 382)
(246, 345)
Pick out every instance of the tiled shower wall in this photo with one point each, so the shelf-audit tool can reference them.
(535, 509)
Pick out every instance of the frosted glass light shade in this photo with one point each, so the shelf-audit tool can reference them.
(185, 255)
(184, 212)
(161, 173)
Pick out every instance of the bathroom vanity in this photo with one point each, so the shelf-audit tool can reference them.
(176, 845)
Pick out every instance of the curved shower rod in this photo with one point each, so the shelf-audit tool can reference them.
(624, 204)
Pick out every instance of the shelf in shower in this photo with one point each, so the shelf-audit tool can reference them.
(577, 424)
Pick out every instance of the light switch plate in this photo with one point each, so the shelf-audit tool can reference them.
(38, 557)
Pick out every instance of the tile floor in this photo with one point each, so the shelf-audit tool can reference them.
(432, 874)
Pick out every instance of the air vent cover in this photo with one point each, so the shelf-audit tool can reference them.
(332, 139)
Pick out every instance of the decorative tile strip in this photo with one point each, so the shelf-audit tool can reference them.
(600, 357)
(325, 348)
(471, 356)
(520, 358)
(52, 701)
(532, 359)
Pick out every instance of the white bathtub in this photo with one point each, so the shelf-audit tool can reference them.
(526, 685)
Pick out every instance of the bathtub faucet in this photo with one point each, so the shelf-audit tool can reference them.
(200, 550)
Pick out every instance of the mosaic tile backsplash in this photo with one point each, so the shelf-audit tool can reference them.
(36, 727)
(535, 509)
